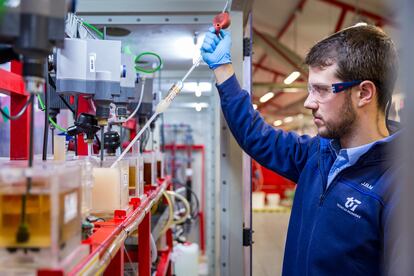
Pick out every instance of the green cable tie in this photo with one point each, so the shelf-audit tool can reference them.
(148, 71)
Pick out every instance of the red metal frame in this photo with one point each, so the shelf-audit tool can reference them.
(268, 69)
(83, 107)
(284, 29)
(282, 54)
(12, 84)
(144, 238)
(175, 147)
(340, 20)
(106, 232)
(378, 18)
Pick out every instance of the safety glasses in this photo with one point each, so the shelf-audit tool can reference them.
(320, 92)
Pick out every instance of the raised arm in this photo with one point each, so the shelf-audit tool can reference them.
(280, 151)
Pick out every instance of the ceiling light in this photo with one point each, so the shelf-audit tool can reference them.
(254, 106)
(198, 92)
(192, 86)
(277, 123)
(197, 106)
(204, 86)
(288, 119)
(291, 90)
(292, 77)
(266, 97)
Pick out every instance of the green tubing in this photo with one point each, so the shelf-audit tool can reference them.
(148, 71)
(93, 28)
(42, 106)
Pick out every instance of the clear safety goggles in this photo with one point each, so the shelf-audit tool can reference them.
(321, 92)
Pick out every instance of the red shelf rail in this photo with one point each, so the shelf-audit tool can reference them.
(107, 242)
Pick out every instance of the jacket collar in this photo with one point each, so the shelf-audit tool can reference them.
(381, 151)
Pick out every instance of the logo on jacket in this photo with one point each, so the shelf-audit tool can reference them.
(352, 203)
(350, 206)
(367, 185)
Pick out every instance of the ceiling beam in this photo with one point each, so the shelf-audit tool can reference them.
(259, 63)
(298, 104)
(299, 7)
(261, 106)
(340, 20)
(242, 5)
(291, 18)
(377, 18)
(272, 45)
(278, 85)
(268, 69)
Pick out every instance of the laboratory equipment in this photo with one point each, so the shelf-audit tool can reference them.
(111, 188)
(53, 213)
(136, 175)
(150, 168)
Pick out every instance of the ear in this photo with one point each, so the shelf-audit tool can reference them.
(367, 92)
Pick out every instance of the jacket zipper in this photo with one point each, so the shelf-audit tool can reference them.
(333, 183)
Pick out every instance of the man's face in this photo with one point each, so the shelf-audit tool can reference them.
(334, 114)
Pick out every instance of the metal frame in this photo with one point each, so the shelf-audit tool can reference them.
(12, 84)
(247, 162)
(404, 223)
(106, 238)
(231, 211)
(142, 7)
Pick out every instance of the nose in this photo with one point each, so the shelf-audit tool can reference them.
(310, 102)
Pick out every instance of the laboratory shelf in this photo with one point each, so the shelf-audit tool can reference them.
(107, 254)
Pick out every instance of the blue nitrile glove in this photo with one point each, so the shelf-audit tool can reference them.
(216, 50)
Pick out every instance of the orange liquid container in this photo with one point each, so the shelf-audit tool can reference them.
(53, 213)
(136, 168)
(160, 164)
(150, 168)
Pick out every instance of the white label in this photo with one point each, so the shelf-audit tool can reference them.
(71, 207)
(92, 60)
(188, 172)
(126, 179)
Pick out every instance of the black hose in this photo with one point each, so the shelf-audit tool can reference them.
(46, 129)
(23, 233)
(20, 113)
(196, 210)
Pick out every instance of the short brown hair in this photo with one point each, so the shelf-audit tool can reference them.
(362, 52)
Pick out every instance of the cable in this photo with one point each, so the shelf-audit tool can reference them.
(170, 220)
(93, 28)
(98, 141)
(46, 128)
(197, 201)
(20, 113)
(154, 253)
(387, 111)
(139, 102)
(138, 105)
(23, 233)
(186, 205)
(148, 71)
(42, 107)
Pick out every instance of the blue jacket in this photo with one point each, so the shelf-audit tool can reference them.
(342, 230)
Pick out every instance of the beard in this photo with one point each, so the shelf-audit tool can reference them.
(340, 128)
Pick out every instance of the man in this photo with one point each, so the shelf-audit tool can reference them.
(344, 200)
